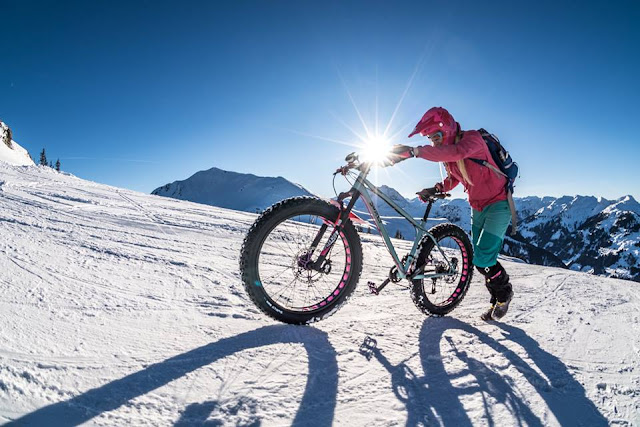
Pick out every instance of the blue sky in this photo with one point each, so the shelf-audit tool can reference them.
(140, 93)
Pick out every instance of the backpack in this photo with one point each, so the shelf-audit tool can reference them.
(506, 167)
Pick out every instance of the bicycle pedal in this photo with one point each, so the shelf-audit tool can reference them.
(373, 289)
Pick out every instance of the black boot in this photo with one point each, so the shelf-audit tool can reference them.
(501, 307)
(497, 282)
(488, 315)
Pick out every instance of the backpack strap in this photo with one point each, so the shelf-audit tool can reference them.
(512, 205)
(490, 166)
(514, 217)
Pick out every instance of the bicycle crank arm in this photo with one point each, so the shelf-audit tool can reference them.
(375, 290)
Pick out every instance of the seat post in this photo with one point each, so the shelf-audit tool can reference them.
(426, 213)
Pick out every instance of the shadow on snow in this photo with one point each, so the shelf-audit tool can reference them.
(434, 399)
(431, 399)
(317, 404)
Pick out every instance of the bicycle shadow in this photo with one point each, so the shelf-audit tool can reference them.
(318, 401)
(436, 398)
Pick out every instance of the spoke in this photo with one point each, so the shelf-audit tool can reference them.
(292, 294)
(297, 223)
(294, 250)
(285, 288)
(316, 292)
(306, 298)
(276, 244)
(275, 276)
(303, 231)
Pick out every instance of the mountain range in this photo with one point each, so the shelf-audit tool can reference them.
(583, 233)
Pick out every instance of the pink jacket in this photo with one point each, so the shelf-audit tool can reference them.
(487, 186)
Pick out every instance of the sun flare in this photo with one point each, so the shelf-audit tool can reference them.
(375, 149)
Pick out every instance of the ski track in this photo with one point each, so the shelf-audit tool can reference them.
(122, 308)
(548, 297)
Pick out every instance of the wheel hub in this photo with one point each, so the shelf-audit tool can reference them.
(303, 265)
(304, 261)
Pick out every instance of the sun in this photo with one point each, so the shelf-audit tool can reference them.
(375, 149)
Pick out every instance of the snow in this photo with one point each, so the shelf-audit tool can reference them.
(120, 308)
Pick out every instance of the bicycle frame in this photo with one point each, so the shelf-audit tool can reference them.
(362, 188)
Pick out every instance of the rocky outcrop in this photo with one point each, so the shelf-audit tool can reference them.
(5, 135)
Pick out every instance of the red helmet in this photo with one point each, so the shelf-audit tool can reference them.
(434, 120)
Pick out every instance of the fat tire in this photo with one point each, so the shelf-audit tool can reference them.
(256, 236)
(418, 295)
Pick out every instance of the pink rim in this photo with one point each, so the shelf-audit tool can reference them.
(464, 277)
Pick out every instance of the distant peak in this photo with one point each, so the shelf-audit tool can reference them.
(628, 198)
(391, 192)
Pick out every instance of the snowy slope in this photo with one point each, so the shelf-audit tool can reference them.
(120, 308)
(231, 190)
(10, 151)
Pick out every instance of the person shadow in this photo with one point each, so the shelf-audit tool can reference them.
(437, 396)
(317, 405)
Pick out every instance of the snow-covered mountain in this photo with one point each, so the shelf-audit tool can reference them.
(589, 234)
(120, 308)
(232, 190)
(10, 151)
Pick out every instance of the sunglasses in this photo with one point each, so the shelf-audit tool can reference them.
(436, 137)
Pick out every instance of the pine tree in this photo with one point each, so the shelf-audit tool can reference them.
(399, 235)
(51, 164)
(58, 165)
(43, 158)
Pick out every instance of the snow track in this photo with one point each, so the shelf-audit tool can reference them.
(120, 308)
(547, 297)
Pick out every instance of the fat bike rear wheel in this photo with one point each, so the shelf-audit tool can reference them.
(439, 296)
(279, 266)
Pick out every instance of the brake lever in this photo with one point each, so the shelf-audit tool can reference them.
(344, 195)
(341, 170)
(344, 170)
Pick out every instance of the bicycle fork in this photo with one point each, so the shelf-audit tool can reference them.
(319, 263)
(345, 213)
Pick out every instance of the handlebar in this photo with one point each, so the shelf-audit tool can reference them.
(353, 162)
(441, 195)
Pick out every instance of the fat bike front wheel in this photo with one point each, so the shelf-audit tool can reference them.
(440, 295)
(279, 261)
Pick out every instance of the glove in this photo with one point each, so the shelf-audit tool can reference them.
(427, 193)
(399, 153)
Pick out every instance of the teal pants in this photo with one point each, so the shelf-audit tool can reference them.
(487, 232)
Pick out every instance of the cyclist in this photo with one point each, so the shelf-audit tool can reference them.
(485, 188)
